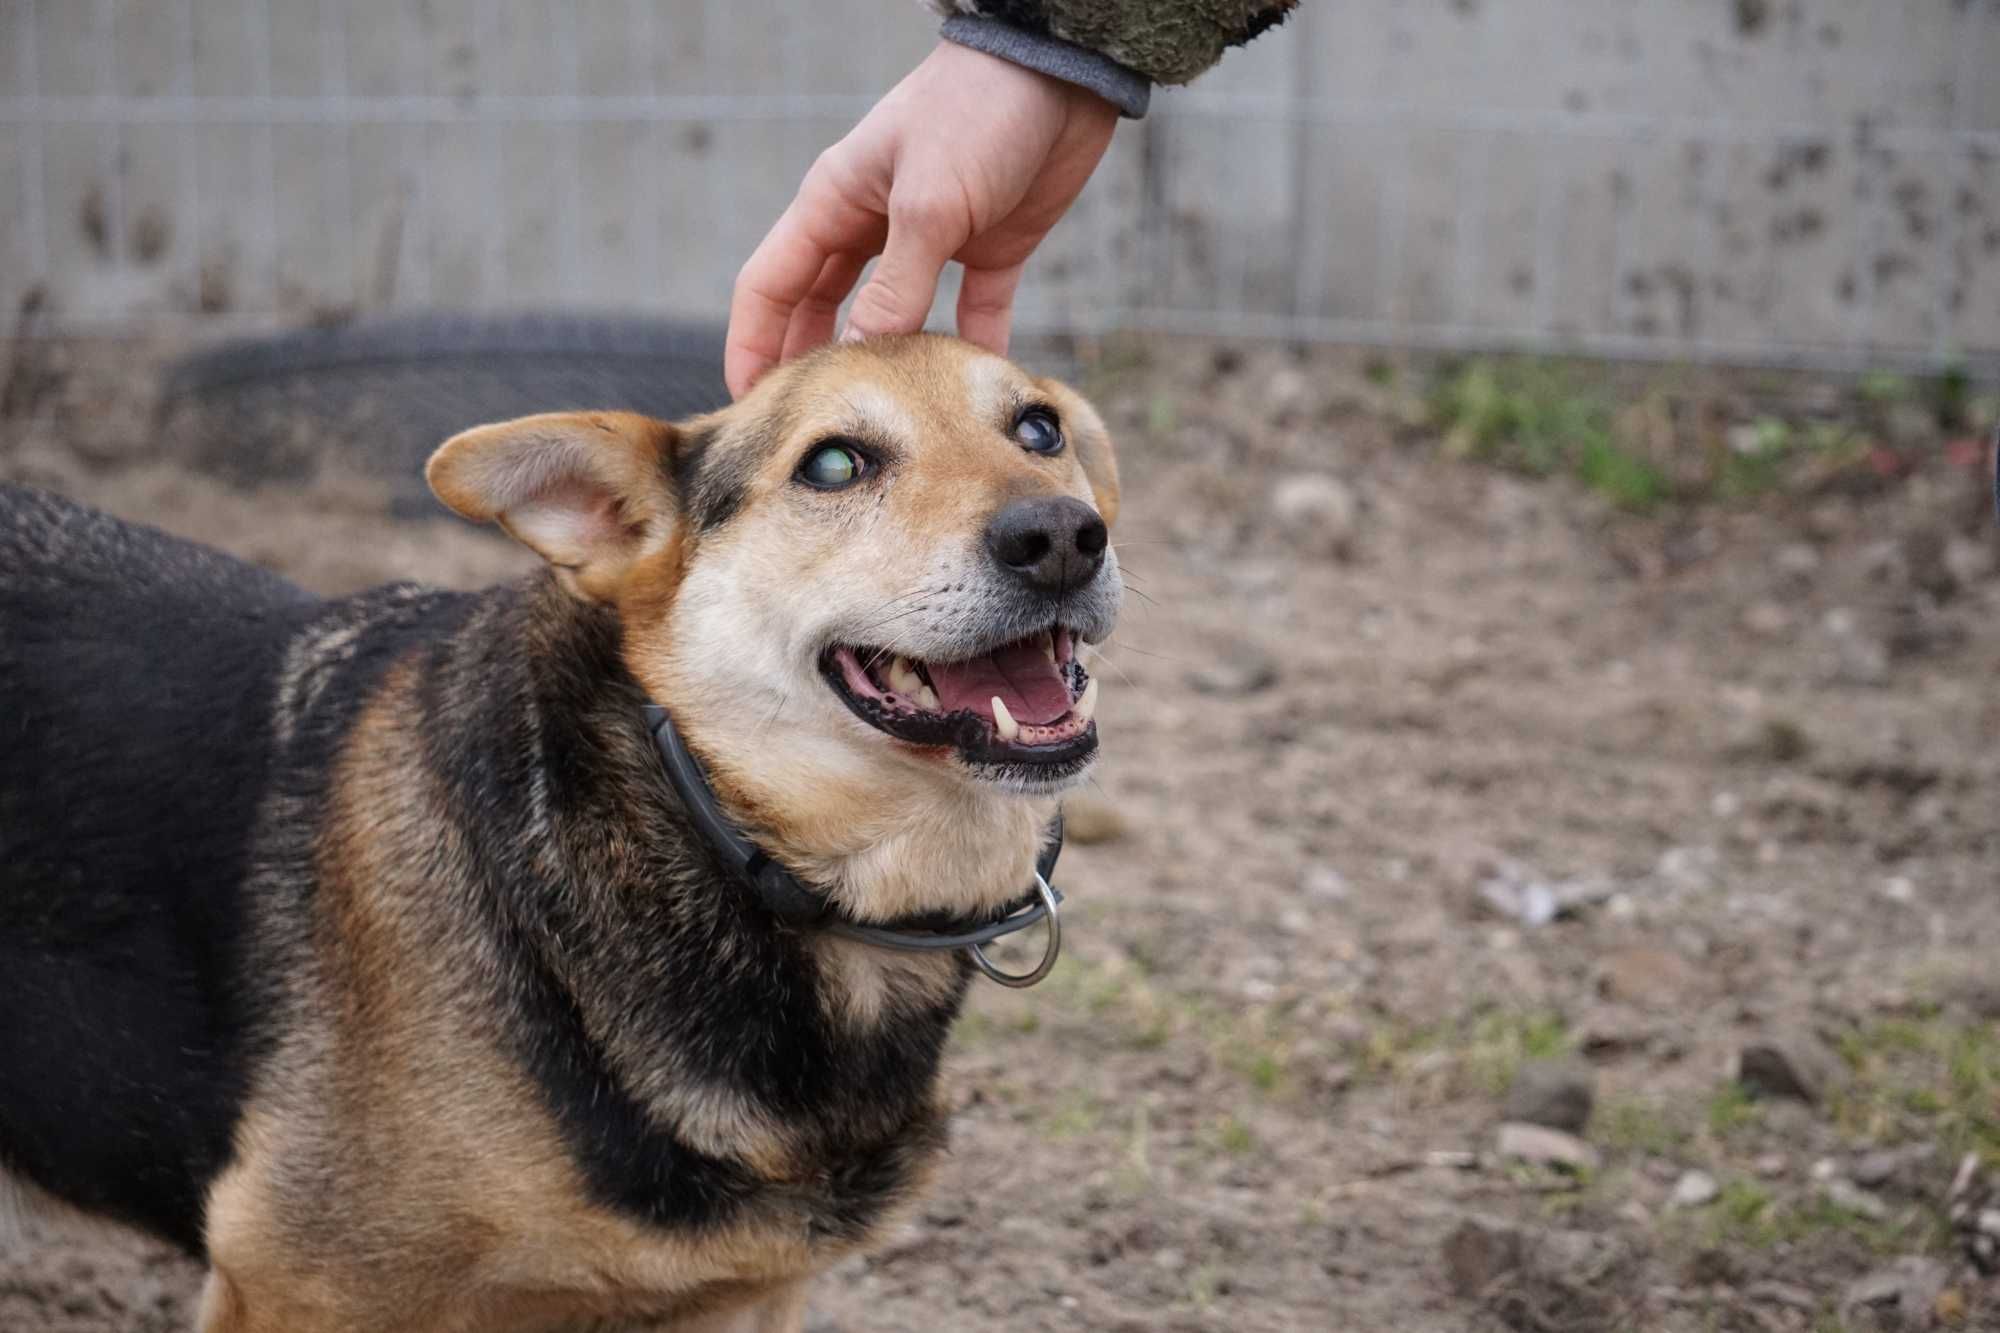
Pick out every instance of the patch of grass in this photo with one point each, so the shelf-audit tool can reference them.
(1743, 1213)
(1632, 1125)
(1534, 417)
(1264, 1071)
(1075, 1115)
(1731, 1109)
(1624, 478)
(1205, 1285)
(1233, 1136)
(1926, 1077)
(1747, 1216)
(1135, 1173)
(1499, 1042)
(1883, 387)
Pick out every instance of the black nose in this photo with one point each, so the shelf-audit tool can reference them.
(1053, 543)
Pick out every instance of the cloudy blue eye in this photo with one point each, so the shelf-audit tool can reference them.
(1038, 432)
(832, 466)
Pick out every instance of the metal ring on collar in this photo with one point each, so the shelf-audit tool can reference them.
(1050, 899)
(915, 941)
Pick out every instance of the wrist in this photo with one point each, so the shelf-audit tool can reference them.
(1125, 89)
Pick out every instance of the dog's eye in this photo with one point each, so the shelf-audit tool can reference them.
(1038, 431)
(832, 466)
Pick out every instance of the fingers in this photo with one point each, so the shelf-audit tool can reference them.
(779, 274)
(812, 321)
(986, 306)
(922, 240)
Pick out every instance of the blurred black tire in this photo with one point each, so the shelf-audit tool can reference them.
(374, 396)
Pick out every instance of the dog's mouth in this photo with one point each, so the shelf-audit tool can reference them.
(1028, 703)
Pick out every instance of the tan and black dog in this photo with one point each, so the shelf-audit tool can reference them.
(364, 946)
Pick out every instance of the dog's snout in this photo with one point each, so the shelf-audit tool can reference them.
(1052, 543)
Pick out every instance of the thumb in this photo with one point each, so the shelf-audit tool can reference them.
(898, 295)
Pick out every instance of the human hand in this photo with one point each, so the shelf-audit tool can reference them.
(969, 158)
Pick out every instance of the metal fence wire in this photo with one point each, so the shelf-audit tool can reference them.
(1807, 182)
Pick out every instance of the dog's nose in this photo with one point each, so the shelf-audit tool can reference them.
(1052, 543)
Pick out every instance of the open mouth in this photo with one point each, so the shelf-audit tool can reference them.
(1027, 703)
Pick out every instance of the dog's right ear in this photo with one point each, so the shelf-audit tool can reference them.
(588, 491)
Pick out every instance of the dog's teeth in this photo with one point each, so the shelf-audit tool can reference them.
(903, 678)
(1085, 707)
(1049, 646)
(1004, 724)
(927, 698)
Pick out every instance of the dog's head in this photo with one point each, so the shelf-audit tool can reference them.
(868, 578)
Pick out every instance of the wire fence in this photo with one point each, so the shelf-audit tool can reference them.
(1819, 186)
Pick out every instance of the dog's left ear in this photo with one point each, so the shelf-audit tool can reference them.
(588, 491)
(1092, 442)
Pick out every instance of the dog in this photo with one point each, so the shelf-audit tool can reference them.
(368, 948)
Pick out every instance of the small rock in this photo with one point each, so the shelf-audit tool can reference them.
(1088, 820)
(1850, 1196)
(1476, 1255)
(1767, 620)
(1771, 1165)
(1860, 659)
(1479, 1252)
(1249, 672)
(1318, 513)
(1968, 561)
(1647, 977)
(1886, 1166)
(1795, 1065)
(1544, 1147)
(1902, 1295)
(1694, 1189)
(1286, 390)
(1325, 883)
(1798, 559)
(1556, 1094)
(1452, 1159)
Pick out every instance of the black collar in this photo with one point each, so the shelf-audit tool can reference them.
(797, 905)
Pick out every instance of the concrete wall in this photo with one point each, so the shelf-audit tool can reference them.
(1792, 179)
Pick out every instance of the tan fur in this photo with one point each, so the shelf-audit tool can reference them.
(390, 1117)
(464, 1204)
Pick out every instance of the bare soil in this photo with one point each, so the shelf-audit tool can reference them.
(1373, 712)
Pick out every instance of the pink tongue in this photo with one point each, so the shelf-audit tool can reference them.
(1020, 674)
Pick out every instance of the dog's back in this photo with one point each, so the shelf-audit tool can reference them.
(137, 679)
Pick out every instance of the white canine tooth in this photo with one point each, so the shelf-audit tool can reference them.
(1085, 707)
(1049, 646)
(903, 679)
(927, 698)
(1004, 724)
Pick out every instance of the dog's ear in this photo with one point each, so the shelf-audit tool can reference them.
(588, 491)
(1092, 443)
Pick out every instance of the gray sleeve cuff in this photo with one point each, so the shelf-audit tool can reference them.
(1126, 89)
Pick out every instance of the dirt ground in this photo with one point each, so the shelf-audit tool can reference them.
(1434, 795)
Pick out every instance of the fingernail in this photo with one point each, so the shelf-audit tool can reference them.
(850, 334)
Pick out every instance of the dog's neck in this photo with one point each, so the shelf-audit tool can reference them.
(630, 883)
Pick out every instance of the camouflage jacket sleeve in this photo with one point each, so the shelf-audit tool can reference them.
(1167, 41)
